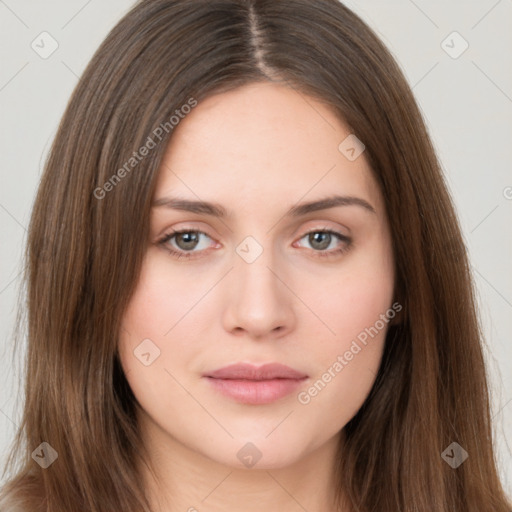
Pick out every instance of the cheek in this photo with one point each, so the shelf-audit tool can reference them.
(163, 298)
(354, 298)
(356, 304)
(150, 322)
(358, 315)
(347, 363)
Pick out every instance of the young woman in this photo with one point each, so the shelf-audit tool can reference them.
(247, 287)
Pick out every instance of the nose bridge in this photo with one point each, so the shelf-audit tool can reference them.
(258, 301)
(252, 271)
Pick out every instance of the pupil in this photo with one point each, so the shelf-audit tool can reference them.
(313, 239)
(188, 239)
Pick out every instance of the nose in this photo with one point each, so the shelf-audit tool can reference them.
(259, 301)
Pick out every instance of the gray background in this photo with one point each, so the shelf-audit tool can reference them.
(466, 102)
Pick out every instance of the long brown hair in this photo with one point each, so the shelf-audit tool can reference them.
(87, 240)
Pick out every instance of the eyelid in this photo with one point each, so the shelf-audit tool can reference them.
(170, 233)
(201, 227)
(315, 225)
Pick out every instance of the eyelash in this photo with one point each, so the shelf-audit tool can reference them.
(190, 254)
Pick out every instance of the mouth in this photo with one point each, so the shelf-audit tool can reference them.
(249, 384)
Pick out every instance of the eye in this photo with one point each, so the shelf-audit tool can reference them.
(185, 241)
(322, 239)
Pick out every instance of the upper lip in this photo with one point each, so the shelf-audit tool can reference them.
(252, 372)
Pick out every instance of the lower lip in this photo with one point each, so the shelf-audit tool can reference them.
(256, 392)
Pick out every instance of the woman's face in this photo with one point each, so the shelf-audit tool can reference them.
(259, 284)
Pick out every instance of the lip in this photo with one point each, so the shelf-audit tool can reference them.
(256, 385)
(247, 371)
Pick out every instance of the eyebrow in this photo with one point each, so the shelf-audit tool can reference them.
(217, 210)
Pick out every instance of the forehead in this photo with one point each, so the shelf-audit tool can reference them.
(258, 144)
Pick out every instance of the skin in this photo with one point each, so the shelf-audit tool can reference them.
(257, 150)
